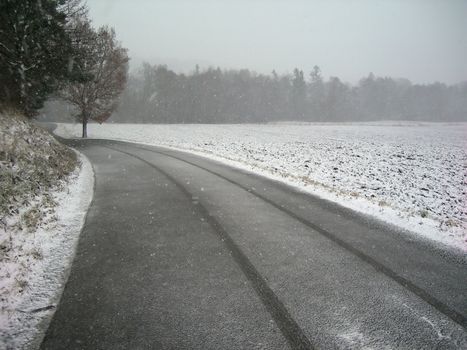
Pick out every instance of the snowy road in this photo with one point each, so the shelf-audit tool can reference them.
(182, 252)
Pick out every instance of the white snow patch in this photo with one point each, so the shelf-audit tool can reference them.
(354, 339)
(409, 174)
(25, 312)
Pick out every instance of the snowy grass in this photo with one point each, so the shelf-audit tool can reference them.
(37, 236)
(31, 162)
(409, 174)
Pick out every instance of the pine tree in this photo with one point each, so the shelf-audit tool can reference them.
(298, 94)
(35, 52)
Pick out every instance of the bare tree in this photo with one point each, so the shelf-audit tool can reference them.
(104, 67)
(73, 9)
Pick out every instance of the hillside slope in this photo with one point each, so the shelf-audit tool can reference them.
(46, 188)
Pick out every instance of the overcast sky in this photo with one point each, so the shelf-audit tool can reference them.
(423, 40)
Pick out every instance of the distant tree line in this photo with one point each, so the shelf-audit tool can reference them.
(157, 94)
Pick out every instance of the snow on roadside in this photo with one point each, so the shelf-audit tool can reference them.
(32, 282)
(409, 174)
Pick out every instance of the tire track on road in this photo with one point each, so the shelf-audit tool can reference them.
(402, 281)
(288, 326)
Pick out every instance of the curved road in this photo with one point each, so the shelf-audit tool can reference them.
(181, 252)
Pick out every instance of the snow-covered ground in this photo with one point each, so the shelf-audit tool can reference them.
(32, 281)
(46, 189)
(409, 174)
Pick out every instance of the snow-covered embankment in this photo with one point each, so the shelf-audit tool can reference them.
(46, 191)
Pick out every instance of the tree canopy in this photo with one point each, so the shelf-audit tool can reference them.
(35, 52)
(48, 46)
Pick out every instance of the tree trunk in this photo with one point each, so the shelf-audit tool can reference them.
(85, 126)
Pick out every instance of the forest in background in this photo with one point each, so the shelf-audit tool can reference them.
(156, 94)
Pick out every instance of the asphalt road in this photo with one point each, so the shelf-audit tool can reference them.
(181, 252)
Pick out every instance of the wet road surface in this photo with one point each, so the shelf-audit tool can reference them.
(181, 252)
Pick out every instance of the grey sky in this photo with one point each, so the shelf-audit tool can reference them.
(423, 40)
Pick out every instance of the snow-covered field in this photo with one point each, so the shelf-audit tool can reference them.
(410, 174)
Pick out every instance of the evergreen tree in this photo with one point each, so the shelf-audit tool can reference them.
(35, 52)
(298, 94)
(316, 95)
